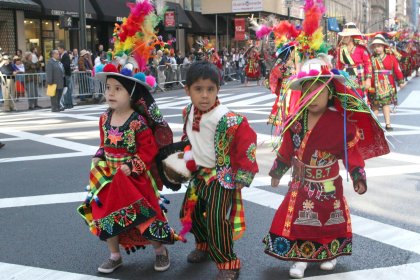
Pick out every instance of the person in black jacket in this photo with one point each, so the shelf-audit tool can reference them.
(65, 60)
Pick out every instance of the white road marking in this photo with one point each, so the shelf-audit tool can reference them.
(412, 100)
(409, 271)
(22, 272)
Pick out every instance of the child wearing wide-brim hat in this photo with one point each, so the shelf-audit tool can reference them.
(312, 223)
(386, 73)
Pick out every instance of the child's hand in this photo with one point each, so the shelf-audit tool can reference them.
(95, 161)
(125, 169)
(360, 187)
(275, 182)
(239, 186)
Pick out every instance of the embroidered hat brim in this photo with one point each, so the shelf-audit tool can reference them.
(102, 76)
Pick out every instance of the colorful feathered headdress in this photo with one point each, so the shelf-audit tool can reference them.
(136, 36)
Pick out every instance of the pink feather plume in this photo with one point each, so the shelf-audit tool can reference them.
(262, 31)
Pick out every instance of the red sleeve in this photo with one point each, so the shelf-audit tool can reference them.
(146, 151)
(100, 153)
(243, 154)
(356, 163)
(339, 64)
(284, 157)
(397, 70)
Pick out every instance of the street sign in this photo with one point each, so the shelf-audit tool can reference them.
(66, 21)
(170, 20)
(288, 3)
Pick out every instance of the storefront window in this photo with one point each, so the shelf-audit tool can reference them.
(61, 36)
(47, 38)
(188, 5)
(32, 33)
(197, 6)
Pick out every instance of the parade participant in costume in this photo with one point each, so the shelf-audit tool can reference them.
(286, 65)
(252, 68)
(353, 57)
(123, 206)
(223, 148)
(383, 92)
(313, 222)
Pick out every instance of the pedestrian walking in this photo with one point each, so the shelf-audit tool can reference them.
(55, 76)
(313, 223)
(383, 91)
(223, 146)
(252, 67)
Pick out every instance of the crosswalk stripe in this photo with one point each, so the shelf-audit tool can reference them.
(22, 272)
(381, 232)
(405, 271)
(253, 100)
(412, 100)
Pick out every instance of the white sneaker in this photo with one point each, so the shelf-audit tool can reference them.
(328, 265)
(298, 269)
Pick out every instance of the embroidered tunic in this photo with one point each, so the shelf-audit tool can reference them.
(127, 206)
(313, 221)
(357, 64)
(384, 91)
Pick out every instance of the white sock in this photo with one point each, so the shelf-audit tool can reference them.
(115, 256)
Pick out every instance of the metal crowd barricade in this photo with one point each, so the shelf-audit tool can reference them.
(23, 87)
(169, 76)
(230, 73)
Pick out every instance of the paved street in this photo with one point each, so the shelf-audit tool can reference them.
(44, 169)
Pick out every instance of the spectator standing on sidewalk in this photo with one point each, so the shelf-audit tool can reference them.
(55, 75)
(65, 61)
(31, 81)
(7, 83)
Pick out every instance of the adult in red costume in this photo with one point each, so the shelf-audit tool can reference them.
(384, 91)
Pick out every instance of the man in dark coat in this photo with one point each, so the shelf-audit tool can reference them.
(65, 60)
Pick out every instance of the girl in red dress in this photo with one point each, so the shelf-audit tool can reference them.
(383, 92)
(123, 204)
(313, 223)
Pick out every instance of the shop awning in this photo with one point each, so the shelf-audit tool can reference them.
(25, 5)
(66, 7)
(205, 24)
(181, 17)
(111, 10)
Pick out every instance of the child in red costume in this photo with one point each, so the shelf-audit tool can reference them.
(313, 222)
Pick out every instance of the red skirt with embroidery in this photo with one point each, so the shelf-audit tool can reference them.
(311, 224)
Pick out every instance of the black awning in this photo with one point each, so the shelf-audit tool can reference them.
(66, 7)
(26, 5)
(111, 10)
(182, 19)
(206, 24)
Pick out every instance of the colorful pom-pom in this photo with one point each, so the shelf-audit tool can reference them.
(126, 72)
(110, 68)
(99, 68)
(151, 81)
(191, 165)
(140, 76)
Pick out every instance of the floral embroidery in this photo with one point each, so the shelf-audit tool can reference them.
(281, 246)
(244, 177)
(307, 249)
(135, 125)
(303, 250)
(225, 177)
(155, 113)
(278, 169)
(251, 152)
(114, 136)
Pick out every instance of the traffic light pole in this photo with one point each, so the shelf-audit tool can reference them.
(82, 25)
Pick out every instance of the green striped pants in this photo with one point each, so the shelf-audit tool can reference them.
(210, 225)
